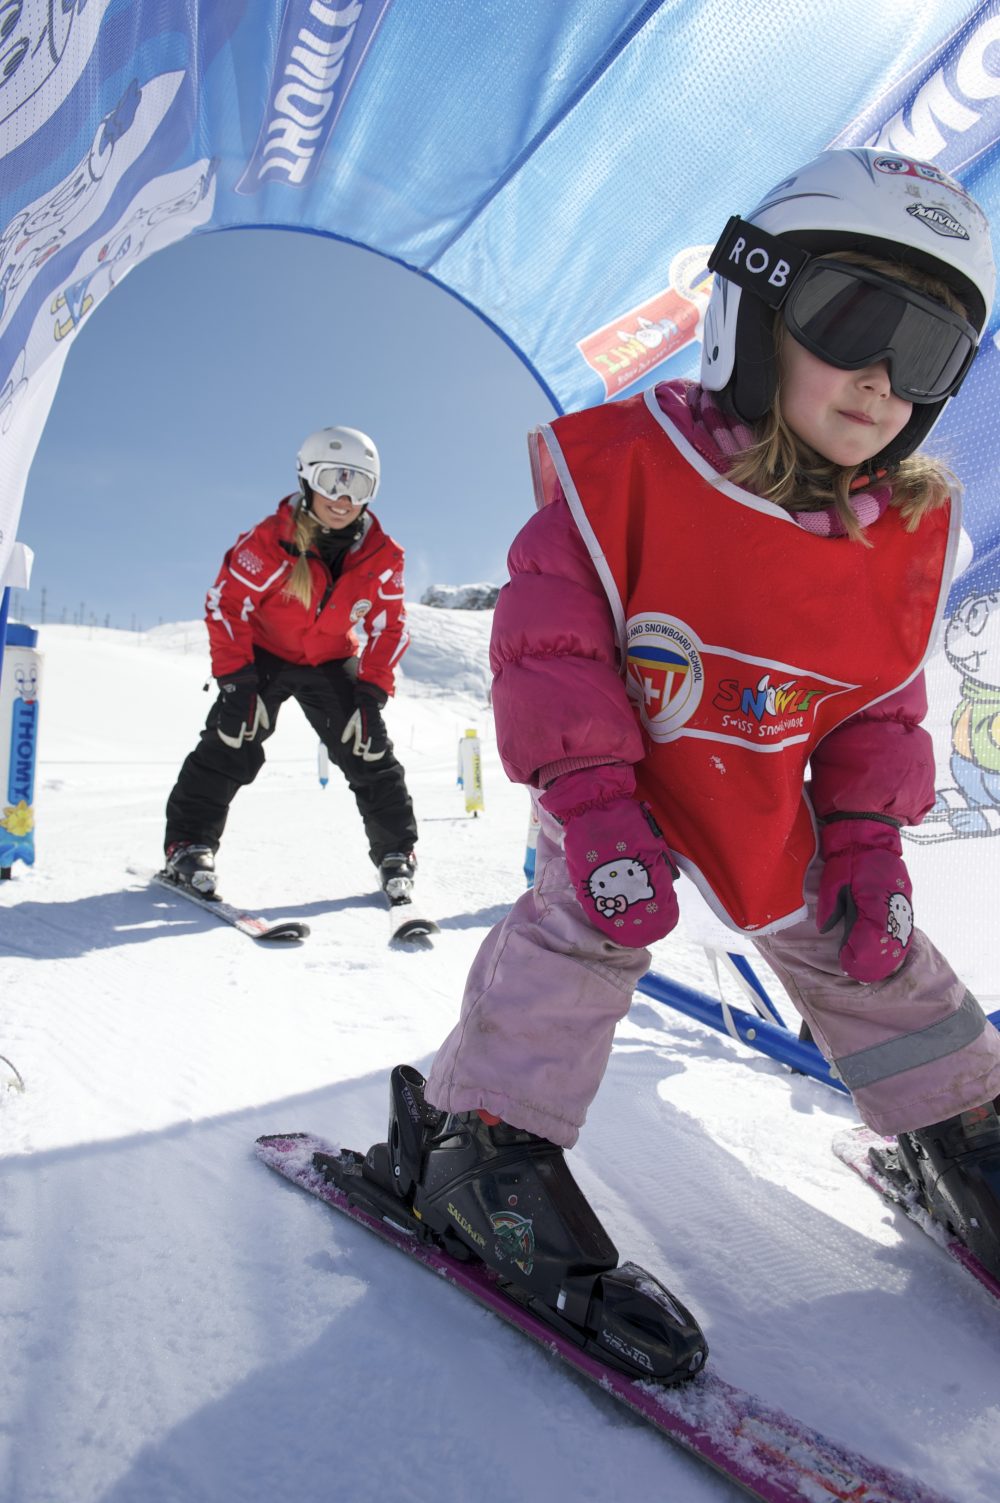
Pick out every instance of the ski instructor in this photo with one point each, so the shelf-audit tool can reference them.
(282, 620)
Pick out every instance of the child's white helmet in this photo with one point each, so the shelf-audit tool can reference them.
(330, 450)
(877, 202)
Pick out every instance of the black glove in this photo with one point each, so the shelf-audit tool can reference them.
(241, 711)
(366, 693)
(365, 732)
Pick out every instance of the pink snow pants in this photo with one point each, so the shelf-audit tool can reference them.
(547, 989)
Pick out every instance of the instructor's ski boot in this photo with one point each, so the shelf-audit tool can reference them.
(396, 871)
(191, 865)
(955, 1167)
(506, 1197)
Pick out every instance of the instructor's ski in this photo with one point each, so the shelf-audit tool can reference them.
(766, 1452)
(407, 925)
(247, 923)
(854, 1147)
(10, 1076)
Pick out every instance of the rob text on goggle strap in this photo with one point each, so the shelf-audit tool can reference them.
(756, 261)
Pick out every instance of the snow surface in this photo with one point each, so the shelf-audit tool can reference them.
(181, 1326)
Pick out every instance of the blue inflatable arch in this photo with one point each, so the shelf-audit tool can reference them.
(560, 167)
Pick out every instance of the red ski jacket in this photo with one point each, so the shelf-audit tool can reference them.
(248, 605)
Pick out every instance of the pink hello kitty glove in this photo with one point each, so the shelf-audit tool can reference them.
(866, 887)
(618, 861)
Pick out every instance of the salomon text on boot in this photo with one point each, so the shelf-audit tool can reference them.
(507, 1198)
(955, 1167)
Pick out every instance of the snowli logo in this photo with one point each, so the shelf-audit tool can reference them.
(664, 673)
(939, 221)
(776, 709)
(360, 609)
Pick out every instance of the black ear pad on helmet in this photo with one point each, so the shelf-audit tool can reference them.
(755, 375)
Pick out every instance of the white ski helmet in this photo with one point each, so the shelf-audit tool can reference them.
(329, 458)
(877, 202)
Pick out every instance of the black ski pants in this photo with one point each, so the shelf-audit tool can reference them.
(213, 773)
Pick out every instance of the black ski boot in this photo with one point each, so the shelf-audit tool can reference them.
(955, 1167)
(507, 1198)
(396, 871)
(191, 865)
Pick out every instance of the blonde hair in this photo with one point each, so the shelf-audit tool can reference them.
(782, 468)
(299, 584)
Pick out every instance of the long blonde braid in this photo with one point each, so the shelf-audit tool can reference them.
(299, 583)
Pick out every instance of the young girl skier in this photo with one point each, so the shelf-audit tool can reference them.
(729, 588)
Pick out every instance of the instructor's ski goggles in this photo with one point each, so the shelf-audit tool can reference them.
(852, 318)
(334, 481)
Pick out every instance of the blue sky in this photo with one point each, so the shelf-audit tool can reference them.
(186, 395)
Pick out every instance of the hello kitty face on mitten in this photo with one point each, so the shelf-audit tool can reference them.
(617, 884)
(900, 921)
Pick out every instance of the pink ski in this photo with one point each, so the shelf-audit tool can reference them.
(769, 1454)
(852, 1149)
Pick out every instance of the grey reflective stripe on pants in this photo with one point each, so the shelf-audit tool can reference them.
(881, 1061)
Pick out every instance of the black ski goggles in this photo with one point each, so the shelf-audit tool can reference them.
(849, 316)
(852, 317)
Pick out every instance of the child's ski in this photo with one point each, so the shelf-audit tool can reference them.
(772, 1456)
(853, 1149)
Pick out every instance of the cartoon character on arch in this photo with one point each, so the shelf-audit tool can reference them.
(969, 807)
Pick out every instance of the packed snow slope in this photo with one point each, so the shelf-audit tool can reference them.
(180, 1326)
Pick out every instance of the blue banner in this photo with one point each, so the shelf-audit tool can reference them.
(19, 688)
(320, 50)
(23, 745)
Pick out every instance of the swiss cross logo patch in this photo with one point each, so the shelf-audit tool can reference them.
(665, 673)
(683, 687)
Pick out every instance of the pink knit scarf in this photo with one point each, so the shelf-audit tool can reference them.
(718, 438)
